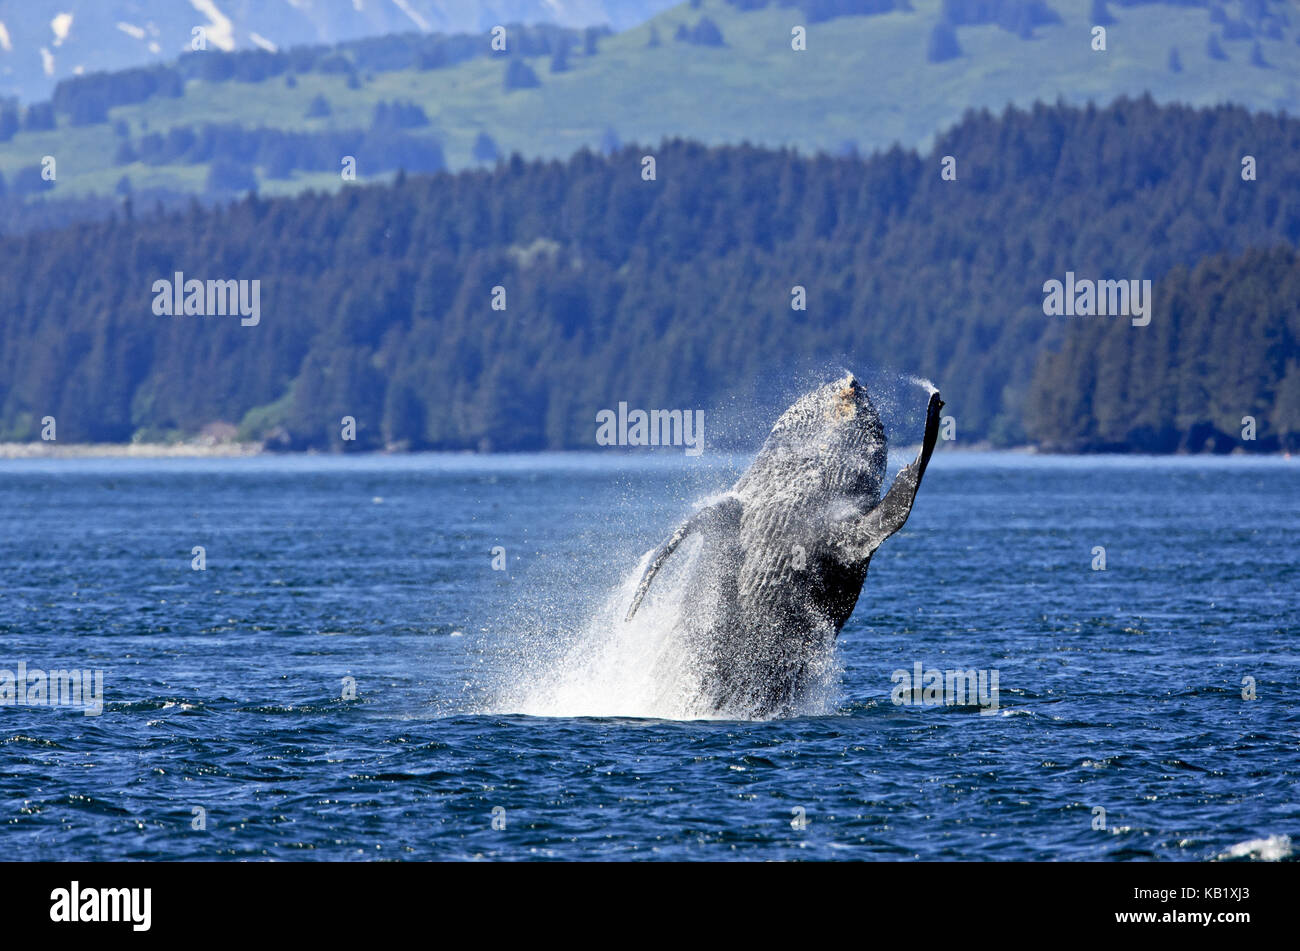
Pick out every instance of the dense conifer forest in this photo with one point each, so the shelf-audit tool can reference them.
(1218, 367)
(378, 302)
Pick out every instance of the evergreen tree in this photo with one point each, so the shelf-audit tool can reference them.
(485, 148)
(519, 75)
(1100, 15)
(319, 107)
(560, 60)
(39, 117)
(943, 44)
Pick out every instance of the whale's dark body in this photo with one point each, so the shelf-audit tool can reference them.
(785, 552)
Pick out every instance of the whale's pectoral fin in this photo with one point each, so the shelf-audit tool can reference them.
(864, 534)
(713, 516)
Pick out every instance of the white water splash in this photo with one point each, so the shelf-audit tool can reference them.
(612, 667)
(643, 668)
(1273, 849)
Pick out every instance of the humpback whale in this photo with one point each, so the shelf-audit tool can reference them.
(784, 553)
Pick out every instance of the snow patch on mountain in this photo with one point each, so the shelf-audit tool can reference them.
(220, 31)
(61, 25)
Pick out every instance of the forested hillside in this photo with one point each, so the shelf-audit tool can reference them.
(861, 76)
(377, 302)
(1218, 367)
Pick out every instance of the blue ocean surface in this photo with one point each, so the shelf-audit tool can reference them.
(352, 677)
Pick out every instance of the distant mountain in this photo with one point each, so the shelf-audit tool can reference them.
(43, 41)
(836, 76)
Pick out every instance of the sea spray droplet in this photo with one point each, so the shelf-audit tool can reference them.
(930, 388)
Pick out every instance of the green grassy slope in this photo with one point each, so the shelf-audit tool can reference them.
(863, 79)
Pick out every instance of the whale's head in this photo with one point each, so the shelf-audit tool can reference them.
(830, 445)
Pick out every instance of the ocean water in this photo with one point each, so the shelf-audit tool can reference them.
(505, 714)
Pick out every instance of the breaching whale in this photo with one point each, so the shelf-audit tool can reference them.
(785, 551)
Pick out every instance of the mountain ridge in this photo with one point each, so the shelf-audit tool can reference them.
(44, 41)
(864, 83)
